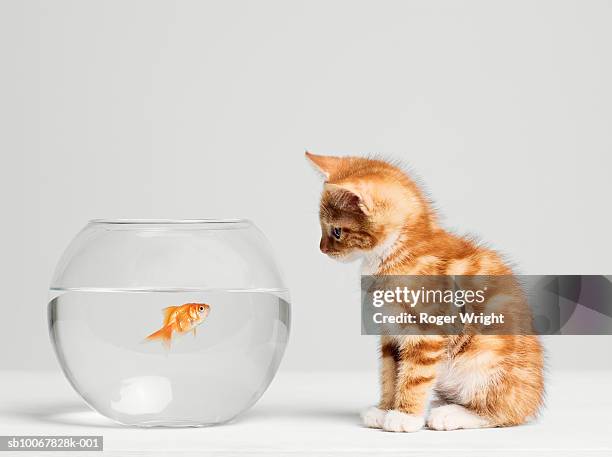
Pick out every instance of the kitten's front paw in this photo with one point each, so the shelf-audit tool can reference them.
(373, 417)
(397, 421)
(453, 417)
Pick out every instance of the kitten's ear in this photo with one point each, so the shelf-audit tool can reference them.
(356, 197)
(325, 164)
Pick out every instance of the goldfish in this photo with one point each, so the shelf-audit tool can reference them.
(180, 319)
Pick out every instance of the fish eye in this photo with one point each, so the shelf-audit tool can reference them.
(201, 309)
(337, 232)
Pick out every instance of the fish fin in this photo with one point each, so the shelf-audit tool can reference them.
(194, 331)
(164, 334)
(168, 314)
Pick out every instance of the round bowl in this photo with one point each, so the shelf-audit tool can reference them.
(169, 323)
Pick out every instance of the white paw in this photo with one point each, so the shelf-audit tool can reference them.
(453, 417)
(373, 417)
(397, 421)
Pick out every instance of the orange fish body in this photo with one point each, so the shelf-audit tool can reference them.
(180, 319)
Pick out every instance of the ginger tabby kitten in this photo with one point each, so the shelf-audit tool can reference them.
(371, 210)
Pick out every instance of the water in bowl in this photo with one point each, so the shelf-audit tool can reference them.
(202, 379)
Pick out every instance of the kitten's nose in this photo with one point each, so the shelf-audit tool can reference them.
(323, 245)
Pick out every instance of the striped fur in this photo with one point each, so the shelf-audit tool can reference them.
(476, 380)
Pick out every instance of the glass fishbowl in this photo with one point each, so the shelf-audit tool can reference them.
(168, 322)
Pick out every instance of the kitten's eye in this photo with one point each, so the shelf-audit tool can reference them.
(337, 232)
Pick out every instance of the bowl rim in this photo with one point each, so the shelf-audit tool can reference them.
(169, 221)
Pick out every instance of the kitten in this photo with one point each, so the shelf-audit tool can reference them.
(372, 210)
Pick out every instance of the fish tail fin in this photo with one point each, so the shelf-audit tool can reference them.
(164, 334)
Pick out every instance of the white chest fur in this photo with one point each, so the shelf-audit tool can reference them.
(373, 259)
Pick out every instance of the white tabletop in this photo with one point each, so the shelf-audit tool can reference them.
(316, 414)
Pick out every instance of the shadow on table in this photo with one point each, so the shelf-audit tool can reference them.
(349, 416)
(73, 413)
(79, 414)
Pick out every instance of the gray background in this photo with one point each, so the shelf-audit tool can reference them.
(203, 109)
